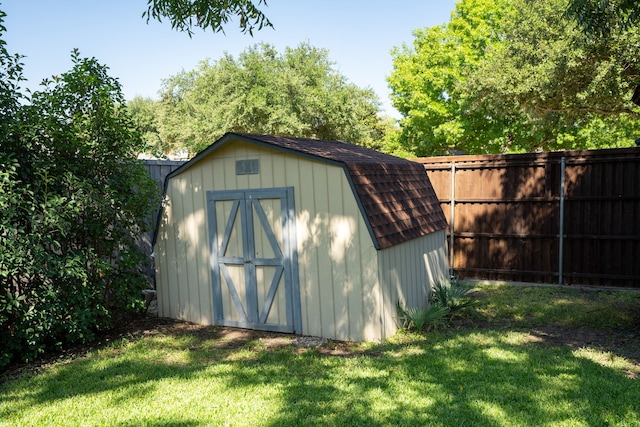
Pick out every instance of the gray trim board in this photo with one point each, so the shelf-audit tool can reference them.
(245, 203)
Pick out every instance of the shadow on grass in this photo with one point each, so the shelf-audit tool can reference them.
(472, 379)
(571, 307)
(481, 377)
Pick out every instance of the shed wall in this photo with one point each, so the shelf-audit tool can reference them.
(337, 261)
(406, 273)
(182, 277)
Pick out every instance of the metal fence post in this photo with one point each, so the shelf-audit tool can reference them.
(452, 217)
(561, 225)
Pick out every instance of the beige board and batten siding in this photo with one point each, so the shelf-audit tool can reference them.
(337, 261)
(348, 289)
(181, 280)
(407, 271)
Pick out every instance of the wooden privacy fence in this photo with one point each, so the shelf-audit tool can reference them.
(561, 217)
(158, 170)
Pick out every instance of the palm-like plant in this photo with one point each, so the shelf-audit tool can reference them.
(420, 319)
(452, 294)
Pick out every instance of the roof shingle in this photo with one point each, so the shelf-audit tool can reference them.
(395, 194)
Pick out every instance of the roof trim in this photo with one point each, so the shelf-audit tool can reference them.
(229, 137)
(392, 213)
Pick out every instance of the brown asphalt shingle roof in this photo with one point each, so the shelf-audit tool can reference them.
(395, 194)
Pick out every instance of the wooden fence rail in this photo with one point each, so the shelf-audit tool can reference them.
(562, 217)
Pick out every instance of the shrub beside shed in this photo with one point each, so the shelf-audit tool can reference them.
(312, 237)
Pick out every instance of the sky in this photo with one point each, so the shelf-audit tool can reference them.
(358, 34)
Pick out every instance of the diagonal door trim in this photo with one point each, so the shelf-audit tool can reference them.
(245, 203)
(234, 293)
(265, 224)
(266, 308)
(227, 231)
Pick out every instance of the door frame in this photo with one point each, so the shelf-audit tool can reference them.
(243, 206)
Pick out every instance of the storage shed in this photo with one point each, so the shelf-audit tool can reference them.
(313, 237)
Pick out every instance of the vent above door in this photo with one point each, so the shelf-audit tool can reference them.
(247, 167)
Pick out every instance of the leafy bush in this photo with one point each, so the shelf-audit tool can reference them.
(420, 319)
(73, 200)
(452, 294)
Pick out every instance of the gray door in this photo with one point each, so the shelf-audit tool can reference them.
(253, 259)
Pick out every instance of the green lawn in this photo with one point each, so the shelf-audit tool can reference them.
(504, 371)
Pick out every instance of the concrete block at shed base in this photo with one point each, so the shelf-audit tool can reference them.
(149, 295)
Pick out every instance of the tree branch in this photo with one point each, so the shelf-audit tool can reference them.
(184, 15)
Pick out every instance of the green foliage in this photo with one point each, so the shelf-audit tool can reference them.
(184, 15)
(560, 83)
(72, 203)
(448, 298)
(514, 76)
(602, 18)
(421, 319)
(426, 82)
(452, 294)
(297, 93)
(146, 117)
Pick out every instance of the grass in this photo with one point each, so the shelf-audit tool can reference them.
(500, 375)
(531, 306)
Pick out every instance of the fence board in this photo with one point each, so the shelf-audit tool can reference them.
(507, 215)
(158, 170)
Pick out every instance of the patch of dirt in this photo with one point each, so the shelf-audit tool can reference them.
(622, 343)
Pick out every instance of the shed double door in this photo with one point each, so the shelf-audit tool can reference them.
(253, 262)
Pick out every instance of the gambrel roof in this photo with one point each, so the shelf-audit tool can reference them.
(395, 195)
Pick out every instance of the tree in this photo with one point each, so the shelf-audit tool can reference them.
(184, 15)
(564, 84)
(601, 18)
(145, 114)
(497, 80)
(73, 200)
(426, 82)
(297, 93)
